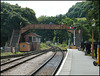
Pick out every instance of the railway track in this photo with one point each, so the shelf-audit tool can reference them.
(23, 56)
(8, 65)
(51, 65)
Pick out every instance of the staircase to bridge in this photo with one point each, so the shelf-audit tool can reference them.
(15, 38)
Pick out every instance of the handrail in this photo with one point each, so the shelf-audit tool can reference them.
(12, 37)
(46, 26)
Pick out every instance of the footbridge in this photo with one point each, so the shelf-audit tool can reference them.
(16, 35)
(47, 26)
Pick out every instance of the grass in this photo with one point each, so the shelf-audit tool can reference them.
(43, 46)
(81, 18)
(62, 46)
(9, 53)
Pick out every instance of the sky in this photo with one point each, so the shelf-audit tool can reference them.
(46, 8)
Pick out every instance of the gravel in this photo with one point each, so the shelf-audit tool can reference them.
(49, 68)
(8, 60)
(29, 66)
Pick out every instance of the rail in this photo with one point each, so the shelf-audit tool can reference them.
(53, 62)
(43, 65)
(55, 71)
(40, 68)
(12, 65)
(23, 56)
(17, 55)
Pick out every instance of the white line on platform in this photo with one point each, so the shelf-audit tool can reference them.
(63, 63)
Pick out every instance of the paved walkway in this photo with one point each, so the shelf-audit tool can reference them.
(76, 63)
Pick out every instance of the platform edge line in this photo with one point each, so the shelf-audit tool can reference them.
(62, 63)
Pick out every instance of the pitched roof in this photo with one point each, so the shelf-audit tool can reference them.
(33, 34)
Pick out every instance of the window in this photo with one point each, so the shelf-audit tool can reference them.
(30, 39)
(34, 39)
(39, 39)
(23, 46)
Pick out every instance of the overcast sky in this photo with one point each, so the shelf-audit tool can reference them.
(47, 8)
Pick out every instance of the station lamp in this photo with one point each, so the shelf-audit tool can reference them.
(92, 37)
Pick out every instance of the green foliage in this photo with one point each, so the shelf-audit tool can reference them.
(68, 21)
(90, 40)
(54, 35)
(82, 14)
(54, 39)
(94, 12)
(78, 10)
(62, 46)
(83, 19)
(43, 46)
(86, 34)
(11, 17)
(10, 53)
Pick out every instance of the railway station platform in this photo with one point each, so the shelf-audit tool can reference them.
(77, 63)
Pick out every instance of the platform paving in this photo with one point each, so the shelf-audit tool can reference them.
(77, 63)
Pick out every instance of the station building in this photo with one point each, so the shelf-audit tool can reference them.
(32, 42)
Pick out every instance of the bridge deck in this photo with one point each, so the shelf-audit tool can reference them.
(46, 26)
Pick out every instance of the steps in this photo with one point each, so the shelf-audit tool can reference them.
(15, 39)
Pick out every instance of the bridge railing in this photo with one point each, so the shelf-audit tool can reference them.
(45, 26)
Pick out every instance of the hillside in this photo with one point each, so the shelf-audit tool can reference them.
(78, 10)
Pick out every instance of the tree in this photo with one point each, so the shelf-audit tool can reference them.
(11, 16)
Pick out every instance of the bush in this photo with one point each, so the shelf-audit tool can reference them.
(43, 46)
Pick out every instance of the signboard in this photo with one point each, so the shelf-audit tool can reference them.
(71, 27)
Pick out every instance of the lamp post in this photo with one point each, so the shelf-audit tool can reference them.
(74, 34)
(74, 47)
(92, 38)
(69, 43)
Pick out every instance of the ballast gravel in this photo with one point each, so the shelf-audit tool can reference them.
(28, 67)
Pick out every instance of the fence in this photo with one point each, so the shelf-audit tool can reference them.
(9, 49)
